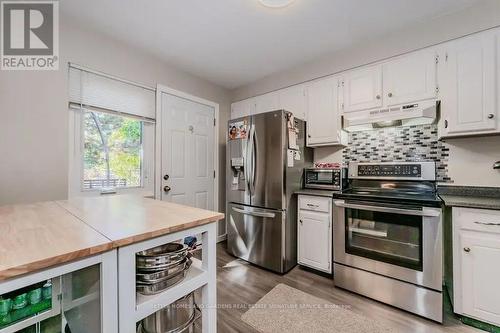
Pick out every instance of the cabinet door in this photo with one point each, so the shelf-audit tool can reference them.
(323, 116)
(410, 78)
(480, 272)
(294, 99)
(468, 85)
(267, 102)
(243, 108)
(315, 240)
(363, 89)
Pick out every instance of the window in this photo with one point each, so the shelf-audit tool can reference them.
(111, 136)
(112, 151)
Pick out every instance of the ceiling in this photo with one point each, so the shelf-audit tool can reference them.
(235, 42)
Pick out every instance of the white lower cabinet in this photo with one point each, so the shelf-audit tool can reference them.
(476, 261)
(315, 232)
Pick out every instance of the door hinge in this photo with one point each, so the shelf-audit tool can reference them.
(329, 265)
(437, 89)
(446, 56)
(214, 173)
(215, 121)
(342, 105)
(437, 58)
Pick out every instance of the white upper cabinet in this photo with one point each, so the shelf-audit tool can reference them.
(243, 108)
(410, 78)
(362, 89)
(267, 102)
(323, 115)
(468, 90)
(294, 99)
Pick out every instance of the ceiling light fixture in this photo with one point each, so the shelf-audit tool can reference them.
(276, 3)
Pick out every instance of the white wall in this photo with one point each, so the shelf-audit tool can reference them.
(34, 115)
(462, 169)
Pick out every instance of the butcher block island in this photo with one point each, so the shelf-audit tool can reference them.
(106, 264)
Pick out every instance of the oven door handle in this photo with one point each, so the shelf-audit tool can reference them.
(429, 213)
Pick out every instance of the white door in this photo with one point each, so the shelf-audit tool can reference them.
(267, 102)
(363, 89)
(323, 116)
(468, 84)
(410, 78)
(243, 108)
(481, 276)
(187, 152)
(294, 99)
(314, 240)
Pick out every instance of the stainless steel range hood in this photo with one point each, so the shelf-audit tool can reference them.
(420, 113)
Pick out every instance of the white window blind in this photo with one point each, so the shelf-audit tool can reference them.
(90, 89)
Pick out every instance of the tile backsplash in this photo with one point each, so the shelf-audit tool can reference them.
(414, 143)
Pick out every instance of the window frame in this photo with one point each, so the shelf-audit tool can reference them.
(76, 165)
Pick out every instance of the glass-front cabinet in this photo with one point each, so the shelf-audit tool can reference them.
(65, 303)
(387, 237)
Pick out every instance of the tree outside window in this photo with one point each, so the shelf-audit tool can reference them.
(112, 151)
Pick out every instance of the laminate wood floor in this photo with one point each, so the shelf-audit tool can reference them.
(240, 284)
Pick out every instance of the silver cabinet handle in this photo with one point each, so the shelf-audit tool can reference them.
(445, 123)
(491, 116)
(301, 221)
(311, 205)
(377, 97)
(258, 214)
(389, 209)
(389, 94)
(467, 249)
(487, 223)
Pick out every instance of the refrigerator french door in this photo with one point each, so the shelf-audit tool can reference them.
(264, 168)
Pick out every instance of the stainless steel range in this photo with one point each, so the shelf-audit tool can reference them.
(388, 236)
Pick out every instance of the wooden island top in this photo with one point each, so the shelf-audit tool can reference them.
(126, 219)
(41, 235)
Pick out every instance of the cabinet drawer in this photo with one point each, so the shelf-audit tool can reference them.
(477, 219)
(317, 204)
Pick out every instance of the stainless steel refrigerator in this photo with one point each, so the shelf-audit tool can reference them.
(266, 155)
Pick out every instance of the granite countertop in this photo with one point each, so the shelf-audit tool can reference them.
(470, 196)
(318, 193)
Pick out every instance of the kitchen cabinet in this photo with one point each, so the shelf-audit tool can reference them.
(476, 252)
(468, 77)
(267, 102)
(410, 78)
(324, 126)
(362, 89)
(80, 296)
(294, 99)
(243, 108)
(315, 232)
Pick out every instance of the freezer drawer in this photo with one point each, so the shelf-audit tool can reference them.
(257, 235)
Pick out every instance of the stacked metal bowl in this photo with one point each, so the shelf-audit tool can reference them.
(178, 317)
(161, 267)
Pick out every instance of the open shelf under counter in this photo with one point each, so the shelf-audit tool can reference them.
(195, 278)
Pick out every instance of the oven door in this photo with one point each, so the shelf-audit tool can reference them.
(404, 243)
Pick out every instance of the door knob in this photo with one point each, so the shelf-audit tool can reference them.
(491, 116)
(377, 97)
(166, 188)
(467, 249)
(166, 177)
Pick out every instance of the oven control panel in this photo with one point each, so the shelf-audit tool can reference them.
(392, 170)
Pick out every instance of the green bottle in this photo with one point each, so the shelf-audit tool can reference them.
(47, 290)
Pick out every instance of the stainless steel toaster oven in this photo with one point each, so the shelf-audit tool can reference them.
(325, 179)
